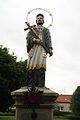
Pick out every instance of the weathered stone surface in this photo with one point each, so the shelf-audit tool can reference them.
(45, 109)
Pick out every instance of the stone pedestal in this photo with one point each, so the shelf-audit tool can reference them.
(45, 109)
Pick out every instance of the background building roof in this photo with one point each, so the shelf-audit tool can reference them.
(64, 99)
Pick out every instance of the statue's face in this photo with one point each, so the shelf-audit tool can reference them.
(39, 20)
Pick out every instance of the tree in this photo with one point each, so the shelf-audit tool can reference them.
(75, 103)
(12, 77)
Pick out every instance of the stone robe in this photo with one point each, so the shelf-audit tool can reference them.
(36, 63)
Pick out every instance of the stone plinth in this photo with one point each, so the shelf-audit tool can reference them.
(45, 109)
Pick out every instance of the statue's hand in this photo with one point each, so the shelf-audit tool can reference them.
(37, 41)
(51, 53)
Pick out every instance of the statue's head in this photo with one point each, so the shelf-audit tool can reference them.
(39, 19)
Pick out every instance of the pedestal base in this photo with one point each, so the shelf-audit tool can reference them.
(43, 112)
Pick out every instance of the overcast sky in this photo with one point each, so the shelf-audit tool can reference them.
(63, 69)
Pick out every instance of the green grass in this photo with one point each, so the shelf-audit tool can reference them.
(60, 118)
(13, 118)
(7, 117)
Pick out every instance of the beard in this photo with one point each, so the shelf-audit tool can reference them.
(39, 23)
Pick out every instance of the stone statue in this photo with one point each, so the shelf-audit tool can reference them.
(38, 48)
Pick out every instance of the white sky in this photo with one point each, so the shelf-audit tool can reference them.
(63, 69)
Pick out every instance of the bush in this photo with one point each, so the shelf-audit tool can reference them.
(73, 117)
(7, 114)
(58, 113)
(75, 102)
(68, 115)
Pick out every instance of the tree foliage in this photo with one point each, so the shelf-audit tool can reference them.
(12, 77)
(75, 103)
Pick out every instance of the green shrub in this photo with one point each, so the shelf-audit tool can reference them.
(73, 117)
(58, 113)
(7, 114)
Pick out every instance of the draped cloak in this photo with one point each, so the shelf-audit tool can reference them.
(36, 53)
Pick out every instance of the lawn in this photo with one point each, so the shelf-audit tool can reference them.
(7, 118)
(13, 118)
(60, 118)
